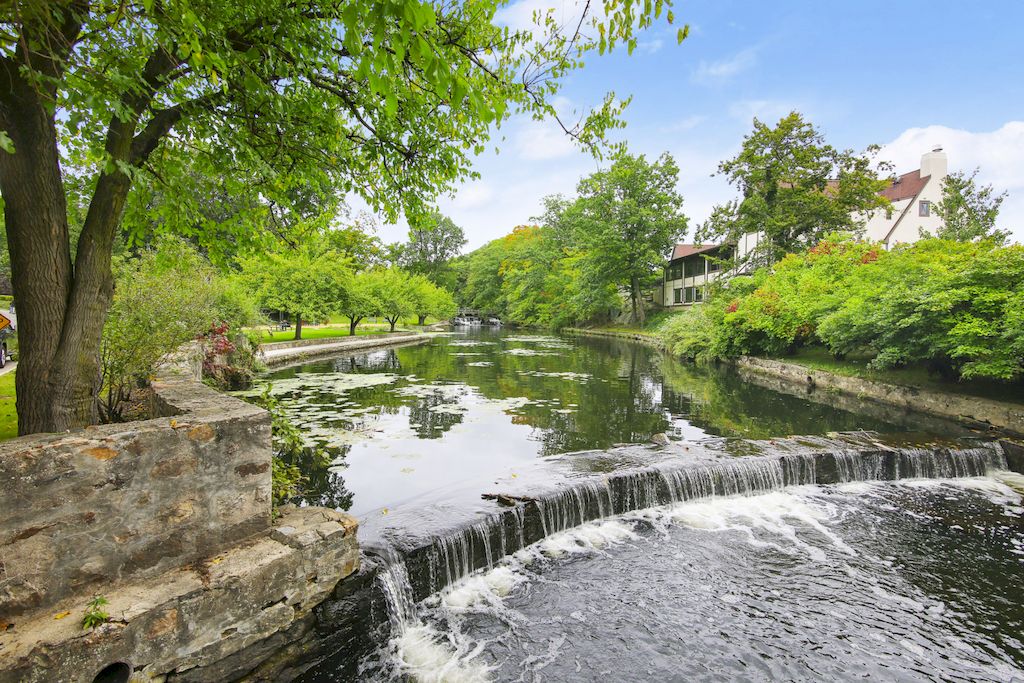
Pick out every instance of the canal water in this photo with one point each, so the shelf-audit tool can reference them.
(915, 580)
(911, 581)
(408, 425)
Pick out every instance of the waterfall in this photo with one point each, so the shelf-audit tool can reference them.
(441, 560)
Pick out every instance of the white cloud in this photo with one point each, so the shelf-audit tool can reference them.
(649, 47)
(998, 154)
(767, 111)
(723, 70)
(541, 140)
(519, 16)
(473, 195)
(688, 123)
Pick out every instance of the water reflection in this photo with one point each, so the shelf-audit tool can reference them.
(410, 421)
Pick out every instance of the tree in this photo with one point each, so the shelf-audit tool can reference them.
(433, 242)
(360, 301)
(386, 99)
(795, 189)
(969, 211)
(626, 219)
(304, 285)
(430, 300)
(392, 291)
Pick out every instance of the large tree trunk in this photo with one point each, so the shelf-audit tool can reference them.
(352, 322)
(61, 309)
(392, 321)
(423, 320)
(636, 299)
(298, 327)
(35, 212)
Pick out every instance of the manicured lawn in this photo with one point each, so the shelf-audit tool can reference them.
(820, 359)
(8, 415)
(324, 332)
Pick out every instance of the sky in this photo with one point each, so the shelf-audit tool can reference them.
(906, 75)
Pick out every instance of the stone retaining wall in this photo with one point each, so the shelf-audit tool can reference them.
(970, 409)
(134, 499)
(295, 343)
(644, 339)
(169, 519)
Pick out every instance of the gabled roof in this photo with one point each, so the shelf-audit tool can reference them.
(906, 186)
(683, 250)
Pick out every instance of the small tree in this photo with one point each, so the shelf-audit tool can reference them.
(360, 302)
(300, 283)
(392, 291)
(969, 210)
(795, 188)
(626, 219)
(430, 300)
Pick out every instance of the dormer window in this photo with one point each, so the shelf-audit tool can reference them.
(924, 208)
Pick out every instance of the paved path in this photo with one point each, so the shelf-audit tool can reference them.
(11, 364)
(274, 356)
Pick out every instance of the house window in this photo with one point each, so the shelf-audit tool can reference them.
(714, 266)
(698, 294)
(924, 208)
(694, 267)
(674, 271)
(677, 295)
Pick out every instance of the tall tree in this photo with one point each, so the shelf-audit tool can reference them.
(795, 189)
(385, 98)
(434, 241)
(626, 219)
(969, 210)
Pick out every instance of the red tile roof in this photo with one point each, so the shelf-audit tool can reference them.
(684, 250)
(906, 186)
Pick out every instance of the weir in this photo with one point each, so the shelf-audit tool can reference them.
(409, 571)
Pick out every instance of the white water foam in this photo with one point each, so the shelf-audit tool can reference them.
(776, 519)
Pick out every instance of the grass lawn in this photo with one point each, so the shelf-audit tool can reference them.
(820, 359)
(323, 332)
(649, 328)
(8, 415)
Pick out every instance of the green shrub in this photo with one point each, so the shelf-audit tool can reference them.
(956, 308)
(163, 297)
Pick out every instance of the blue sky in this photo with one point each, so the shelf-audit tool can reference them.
(906, 75)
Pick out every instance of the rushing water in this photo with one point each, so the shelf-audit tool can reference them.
(408, 424)
(917, 580)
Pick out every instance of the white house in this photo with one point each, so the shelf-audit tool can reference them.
(914, 197)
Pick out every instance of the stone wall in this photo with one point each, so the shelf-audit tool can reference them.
(968, 409)
(117, 501)
(169, 519)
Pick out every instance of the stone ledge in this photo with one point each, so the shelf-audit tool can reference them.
(214, 620)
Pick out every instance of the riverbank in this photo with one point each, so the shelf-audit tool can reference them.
(969, 409)
(282, 353)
